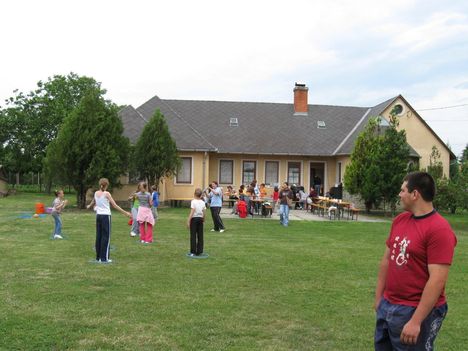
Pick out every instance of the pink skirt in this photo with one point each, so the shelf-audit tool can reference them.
(145, 215)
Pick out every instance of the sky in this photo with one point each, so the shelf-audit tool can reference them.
(349, 53)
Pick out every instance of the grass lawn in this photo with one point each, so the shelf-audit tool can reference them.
(264, 287)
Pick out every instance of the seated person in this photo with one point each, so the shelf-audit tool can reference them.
(302, 200)
(231, 194)
(263, 191)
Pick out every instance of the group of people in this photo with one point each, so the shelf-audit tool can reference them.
(410, 300)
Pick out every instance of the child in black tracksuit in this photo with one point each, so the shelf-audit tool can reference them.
(195, 223)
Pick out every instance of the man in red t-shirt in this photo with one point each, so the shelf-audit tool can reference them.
(409, 297)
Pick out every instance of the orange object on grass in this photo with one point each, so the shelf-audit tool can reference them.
(40, 209)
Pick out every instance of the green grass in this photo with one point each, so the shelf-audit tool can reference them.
(264, 287)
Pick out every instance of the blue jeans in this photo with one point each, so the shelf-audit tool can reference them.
(284, 214)
(58, 223)
(392, 318)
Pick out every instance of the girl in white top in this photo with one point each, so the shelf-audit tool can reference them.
(101, 202)
(195, 223)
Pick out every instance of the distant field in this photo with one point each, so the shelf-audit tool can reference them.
(264, 287)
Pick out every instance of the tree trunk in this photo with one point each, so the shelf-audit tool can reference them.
(81, 197)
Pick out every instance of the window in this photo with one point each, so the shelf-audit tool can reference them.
(271, 172)
(184, 175)
(321, 125)
(248, 171)
(294, 173)
(397, 109)
(233, 122)
(226, 171)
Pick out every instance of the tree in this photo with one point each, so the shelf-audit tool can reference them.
(393, 161)
(155, 155)
(435, 168)
(378, 163)
(33, 119)
(464, 155)
(89, 145)
(362, 169)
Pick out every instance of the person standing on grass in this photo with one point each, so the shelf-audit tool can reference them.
(409, 298)
(155, 197)
(145, 216)
(215, 193)
(195, 223)
(57, 206)
(101, 201)
(135, 231)
(284, 198)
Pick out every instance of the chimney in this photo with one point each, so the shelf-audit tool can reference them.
(300, 99)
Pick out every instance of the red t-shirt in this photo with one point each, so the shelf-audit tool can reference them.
(415, 242)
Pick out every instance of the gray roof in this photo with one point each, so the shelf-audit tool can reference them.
(264, 128)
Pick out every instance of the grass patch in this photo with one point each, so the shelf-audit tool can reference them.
(264, 287)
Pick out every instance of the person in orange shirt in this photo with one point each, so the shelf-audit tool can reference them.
(263, 191)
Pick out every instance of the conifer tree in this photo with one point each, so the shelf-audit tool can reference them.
(155, 155)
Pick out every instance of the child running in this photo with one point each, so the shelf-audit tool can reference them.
(195, 223)
(57, 206)
(102, 199)
(145, 216)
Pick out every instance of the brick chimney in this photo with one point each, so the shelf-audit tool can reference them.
(300, 99)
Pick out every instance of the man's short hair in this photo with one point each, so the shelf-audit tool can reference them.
(423, 183)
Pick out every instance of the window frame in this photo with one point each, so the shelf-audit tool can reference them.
(277, 172)
(243, 170)
(300, 171)
(232, 172)
(190, 182)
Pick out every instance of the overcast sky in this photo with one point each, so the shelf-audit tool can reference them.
(356, 53)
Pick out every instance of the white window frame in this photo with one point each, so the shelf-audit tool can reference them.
(242, 169)
(278, 174)
(219, 171)
(301, 171)
(176, 182)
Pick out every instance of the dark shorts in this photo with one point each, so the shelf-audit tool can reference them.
(392, 318)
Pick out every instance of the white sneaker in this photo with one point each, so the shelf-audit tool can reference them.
(133, 234)
(212, 230)
(142, 241)
(58, 236)
(221, 230)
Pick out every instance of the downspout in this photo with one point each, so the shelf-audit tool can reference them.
(204, 170)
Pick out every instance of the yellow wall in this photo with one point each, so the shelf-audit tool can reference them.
(419, 136)
(169, 189)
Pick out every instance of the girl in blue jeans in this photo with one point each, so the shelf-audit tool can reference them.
(57, 206)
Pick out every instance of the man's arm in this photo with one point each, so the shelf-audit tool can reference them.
(381, 278)
(438, 274)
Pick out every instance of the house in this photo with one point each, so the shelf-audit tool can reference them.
(236, 142)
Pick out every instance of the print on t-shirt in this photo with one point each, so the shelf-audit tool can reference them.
(402, 257)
